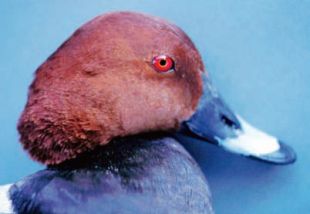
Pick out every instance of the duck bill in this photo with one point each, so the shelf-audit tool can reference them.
(215, 123)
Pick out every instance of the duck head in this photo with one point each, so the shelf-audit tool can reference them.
(120, 74)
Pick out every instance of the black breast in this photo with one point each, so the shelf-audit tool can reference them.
(132, 175)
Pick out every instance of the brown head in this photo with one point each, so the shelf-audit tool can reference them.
(110, 79)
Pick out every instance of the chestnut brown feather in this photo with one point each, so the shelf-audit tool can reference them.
(100, 84)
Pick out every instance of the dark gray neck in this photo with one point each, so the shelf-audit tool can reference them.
(130, 175)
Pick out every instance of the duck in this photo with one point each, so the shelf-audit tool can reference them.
(106, 113)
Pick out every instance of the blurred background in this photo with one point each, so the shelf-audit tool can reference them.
(257, 52)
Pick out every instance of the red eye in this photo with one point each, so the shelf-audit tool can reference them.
(163, 63)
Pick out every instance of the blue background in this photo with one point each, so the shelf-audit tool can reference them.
(257, 52)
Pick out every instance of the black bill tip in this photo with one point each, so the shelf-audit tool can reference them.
(284, 155)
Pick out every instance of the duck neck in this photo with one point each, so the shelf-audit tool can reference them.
(117, 152)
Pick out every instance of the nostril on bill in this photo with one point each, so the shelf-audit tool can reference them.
(228, 122)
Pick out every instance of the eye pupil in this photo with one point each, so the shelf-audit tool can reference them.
(162, 62)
